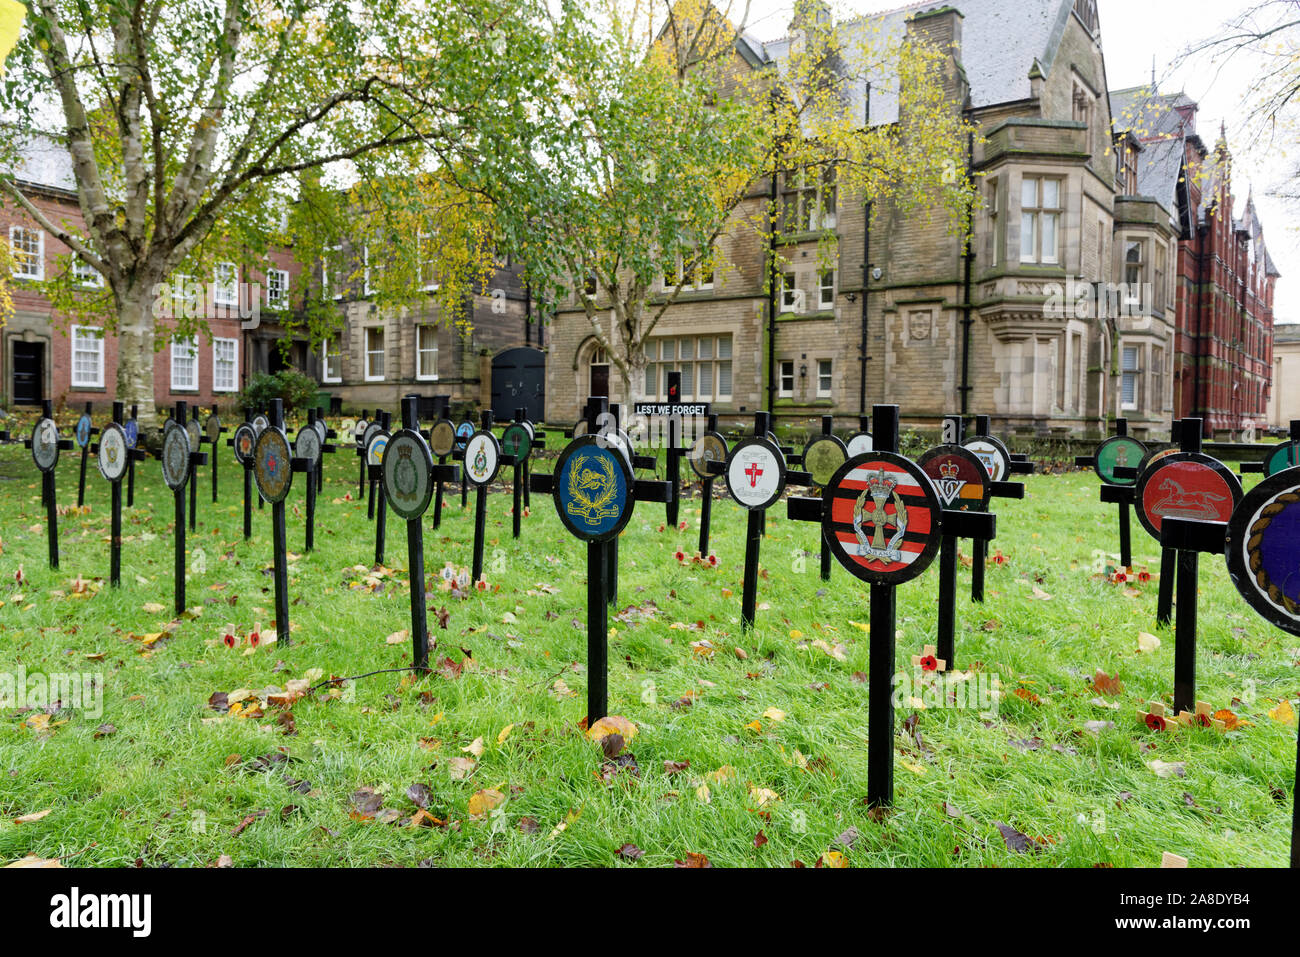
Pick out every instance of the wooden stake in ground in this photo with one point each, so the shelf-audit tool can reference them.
(273, 468)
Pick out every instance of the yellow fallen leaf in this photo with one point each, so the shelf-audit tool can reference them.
(505, 733)
(1283, 713)
(796, 634)
(1147, 641)
(461, 768)
(722, 775)
(481, 802)
(763, 796)
(756, 726)
(703, 795)
(31, 860)
(833, 859)
(34, 816)
(774, 714)
(398, 637)
(154, 608)
(914, 768)
(612, 724)
(475, 747)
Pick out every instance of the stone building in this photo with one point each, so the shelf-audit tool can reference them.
(1225, 276)
(1284, 400)
(893, 314)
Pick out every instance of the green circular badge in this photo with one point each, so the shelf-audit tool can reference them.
(1118, 451)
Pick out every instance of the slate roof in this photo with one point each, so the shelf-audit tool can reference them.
(1002, 42)
(43, 161)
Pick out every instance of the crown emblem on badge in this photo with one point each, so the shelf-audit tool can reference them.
(948, 470)
(880, 484)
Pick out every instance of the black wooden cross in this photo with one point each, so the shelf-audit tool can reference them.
(178, 494)
(194, 475)
(247, 464)
(48, 488)
(85, 454)
(1180, 434)
(214, 440)
(706, 495)
(883, 616)
(1116, 494)
(977, 525)
(597, 555)
(361, 453)
(115, 536)
(1186, 538)
(377, 499)
(757, 518)
(1019, 465)
(280, 544)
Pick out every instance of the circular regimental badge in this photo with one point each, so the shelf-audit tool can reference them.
(516, 440)
(359, 433)
(272, 468)
(261, 423)
(45, 445)
(1153, 456)
(112, 452)
(176, 457)
(372, 429)
(990, 451)
(375, 447)
(860, 442)
(709, 447)
(307, 444)
(195, 433)
(463, 432)
(960, 479)
(1263, 548)
(408, 474)
(245, 439)
(213, 428)
(822, 456)
(755, 473)
(593, 489)
(82, 432)
(482, 458)
(881, 518)
(132, 430)
(1285, 456)
(1117, 452)
(442, 438)
(1186, 485)
(322, 430)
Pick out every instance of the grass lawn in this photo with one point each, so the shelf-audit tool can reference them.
(767, 734)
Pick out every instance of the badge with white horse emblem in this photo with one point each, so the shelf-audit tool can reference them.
(1186, 485)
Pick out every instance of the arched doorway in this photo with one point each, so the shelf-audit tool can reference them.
(519, 381)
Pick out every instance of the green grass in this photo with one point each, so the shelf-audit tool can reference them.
(166, 787)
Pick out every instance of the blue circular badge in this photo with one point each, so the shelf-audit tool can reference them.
(83, 430)
(132, 430)
(463, 432)
(593, 489)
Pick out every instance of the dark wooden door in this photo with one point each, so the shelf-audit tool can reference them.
(600, 380)
(29, 373)
(519, 382)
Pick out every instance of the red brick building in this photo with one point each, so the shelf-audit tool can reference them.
(1225, 276)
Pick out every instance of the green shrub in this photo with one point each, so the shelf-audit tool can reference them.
(293, 388)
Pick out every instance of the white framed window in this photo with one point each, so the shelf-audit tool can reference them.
(225, 285)
(185, 364)
(793, 299)
(824, 378)
(331, 271)
(87, 358)
(28, 248)
(277, 288)
(808, 201)
(785, 378)
(86, 275)
(375, 354)
(1040, 218)
(826, 289)
(367, 288)
(1135, 270)
(1128, 377)
(332, 359)
(185, 295)
(225, 365)
(703, 361)
(425, 254)
(426, 352)
(701, 278)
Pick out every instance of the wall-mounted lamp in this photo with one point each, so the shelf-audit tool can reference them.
(803, 370)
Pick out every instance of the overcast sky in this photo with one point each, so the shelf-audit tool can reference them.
(1132, 32)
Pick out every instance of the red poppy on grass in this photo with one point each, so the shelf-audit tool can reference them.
(929, 663)
(230, 640)
(680, 555)
(1155, 722)
(255, 638)
(481, 584)
(1144, 576)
